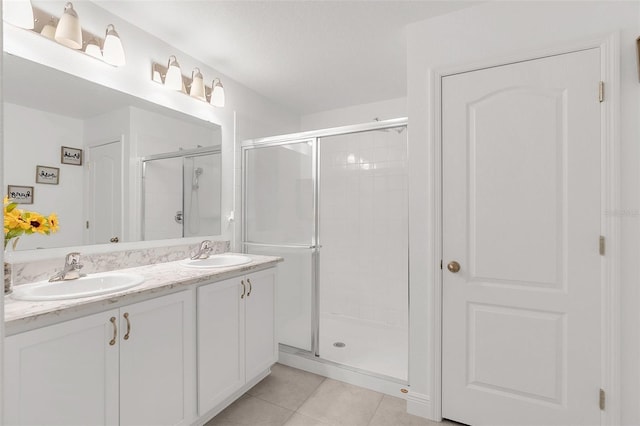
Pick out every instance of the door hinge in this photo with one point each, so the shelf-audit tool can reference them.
(601, 91)
(602, 245)
(440, 263)
(87, 225)
(602, 399)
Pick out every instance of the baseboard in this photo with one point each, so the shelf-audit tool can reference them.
(343, 374)
(420, 405)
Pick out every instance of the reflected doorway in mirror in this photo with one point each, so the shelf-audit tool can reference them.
(71, 156)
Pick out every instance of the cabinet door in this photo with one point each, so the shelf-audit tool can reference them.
(220, 342)
(157, 361)
(260, 341)
(64, 374)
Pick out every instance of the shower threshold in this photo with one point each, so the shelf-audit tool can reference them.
(305, 360)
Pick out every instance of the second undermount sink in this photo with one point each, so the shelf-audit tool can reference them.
(217, 261)
(87, 286)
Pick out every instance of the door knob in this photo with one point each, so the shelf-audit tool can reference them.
(114, 240)
(453, 266)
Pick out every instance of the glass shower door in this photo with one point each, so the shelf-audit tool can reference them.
(280, 220)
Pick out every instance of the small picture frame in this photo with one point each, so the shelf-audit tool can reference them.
(71, 156)
(48, 175)
(20, 194)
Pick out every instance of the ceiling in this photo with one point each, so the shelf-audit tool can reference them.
(307, 56)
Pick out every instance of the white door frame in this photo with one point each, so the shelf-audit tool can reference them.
(610, 223)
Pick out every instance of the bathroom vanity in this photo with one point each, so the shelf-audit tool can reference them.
(174, 350)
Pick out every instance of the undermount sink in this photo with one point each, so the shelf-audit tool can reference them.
(217, 261)
(87, 286)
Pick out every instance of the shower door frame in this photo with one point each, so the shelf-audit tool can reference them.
(314, 137)
(185, 153)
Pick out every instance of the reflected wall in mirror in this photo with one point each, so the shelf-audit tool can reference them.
(100, 201)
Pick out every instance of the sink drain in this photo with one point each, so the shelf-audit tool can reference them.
(339, 345)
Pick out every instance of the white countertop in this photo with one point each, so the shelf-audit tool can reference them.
(160, 279)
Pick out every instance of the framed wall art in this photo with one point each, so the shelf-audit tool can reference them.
(70, 155)
(48, 175)
(20, 194)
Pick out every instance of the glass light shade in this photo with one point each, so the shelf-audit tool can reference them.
(197, 85)
(93, 49)
(69, 31)
(113, 52)
(173, 79)
(18, 13)
(49, 30)
(217, 94)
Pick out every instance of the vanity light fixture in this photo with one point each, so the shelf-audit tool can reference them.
(69, 31)
(217, 93)
(113, 52)
(197, 89)
(18, 13)
(49, 30)
(93, 49)
(173, 78)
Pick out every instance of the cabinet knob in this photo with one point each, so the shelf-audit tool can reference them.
(114, 240)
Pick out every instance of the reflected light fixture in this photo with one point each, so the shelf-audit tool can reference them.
(113, 52)
(173, 79)
(197, 85)
(217, 93)
(49, 29)
(93, 49)
(69, 31)
(18, 13)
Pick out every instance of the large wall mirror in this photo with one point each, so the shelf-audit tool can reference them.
(131, 170)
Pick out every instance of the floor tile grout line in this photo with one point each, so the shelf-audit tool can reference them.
(310, 395)
(376, 410)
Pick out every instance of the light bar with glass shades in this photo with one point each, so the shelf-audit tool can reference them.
(66, 31)
(170, 76)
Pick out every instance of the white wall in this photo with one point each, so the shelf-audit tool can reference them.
(135, 78)
(492, 31)
(35, 138)
(355, 114)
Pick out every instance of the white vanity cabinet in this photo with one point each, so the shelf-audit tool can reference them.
(130, 366)
(235, 340)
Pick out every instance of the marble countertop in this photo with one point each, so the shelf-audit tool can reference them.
(160, 279)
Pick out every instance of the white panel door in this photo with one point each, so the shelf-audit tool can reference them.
(105, 193)
(521, 216)
(260, 346)
(220, 342)
(157, 361)
(64, 374)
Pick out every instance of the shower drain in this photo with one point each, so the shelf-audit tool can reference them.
(339, 345)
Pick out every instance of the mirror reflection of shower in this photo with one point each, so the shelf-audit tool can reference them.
(181, 194)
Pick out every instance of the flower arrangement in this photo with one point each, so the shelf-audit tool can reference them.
(19, 222)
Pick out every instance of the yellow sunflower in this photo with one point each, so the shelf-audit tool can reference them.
(38, 223)
(53, 222)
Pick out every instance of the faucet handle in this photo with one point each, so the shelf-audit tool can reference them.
(73, 259)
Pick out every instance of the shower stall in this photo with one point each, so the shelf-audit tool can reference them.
(333, 204)
(181, 194)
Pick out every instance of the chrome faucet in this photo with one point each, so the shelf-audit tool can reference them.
(204, 251)
(71, 270)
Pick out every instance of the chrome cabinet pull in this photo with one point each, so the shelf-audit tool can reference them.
(126, 316)
(244, 289)
(115, 331)
(250, 287)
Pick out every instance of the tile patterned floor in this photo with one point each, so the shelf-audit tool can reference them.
(292, 397)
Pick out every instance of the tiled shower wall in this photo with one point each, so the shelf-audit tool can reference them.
(364, 226)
